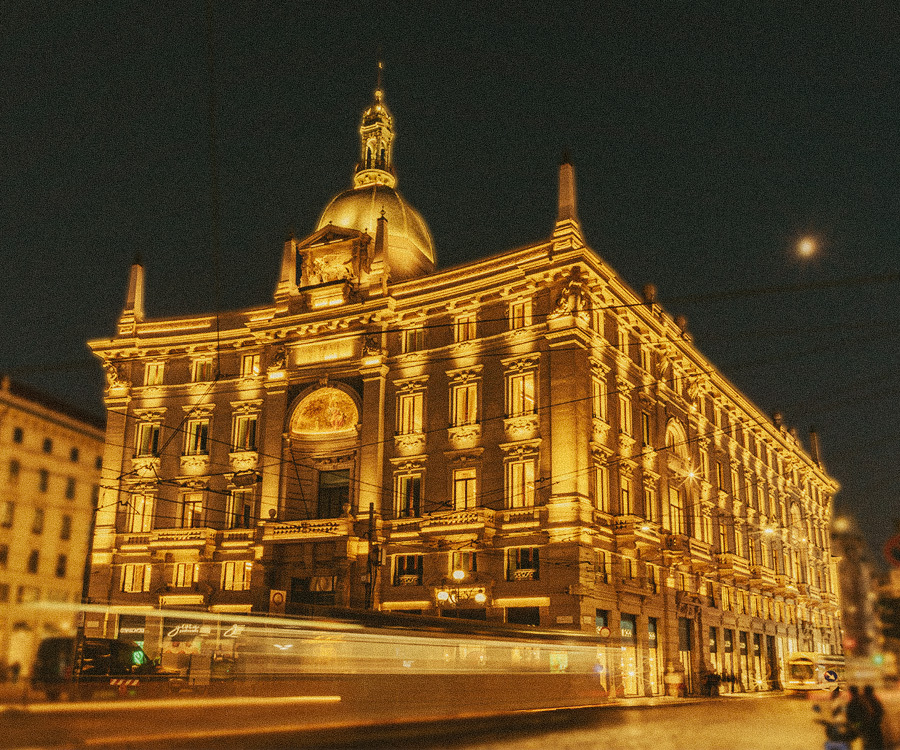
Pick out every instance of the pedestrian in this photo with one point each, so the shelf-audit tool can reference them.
(855, 712)
(873, 713)
(837, 730)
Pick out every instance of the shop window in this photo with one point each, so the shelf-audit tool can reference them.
(523, 616)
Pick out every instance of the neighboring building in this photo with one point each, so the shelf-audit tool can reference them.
(525, 420)
(50, 457)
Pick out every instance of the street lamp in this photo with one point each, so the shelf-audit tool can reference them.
(455, 595)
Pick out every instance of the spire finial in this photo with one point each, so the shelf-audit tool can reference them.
(380, 73)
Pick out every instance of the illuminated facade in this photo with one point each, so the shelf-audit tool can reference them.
(50, 464)
(525, 422)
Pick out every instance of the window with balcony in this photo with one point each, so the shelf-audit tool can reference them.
(196, 437)
(519, 314)
(139, 514)
(191, 510)
(185, 575)
(135, 578)
(240, 509)
(146, 441)
(243, 433)
(251, 365)
(463, 404)
(153, 373)
(408, 495)
(409, 413)
(464, 488)
(520, 483)
(523, 564)
(464, 327)
(412, 340)
(334, 493)
(408, 570)
(236, 575)
(520, 394)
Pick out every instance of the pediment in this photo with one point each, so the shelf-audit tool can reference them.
(330, 234)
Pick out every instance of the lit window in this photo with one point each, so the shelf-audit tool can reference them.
(464, 561)
(244, 433)
(464, 327)
(412, 340)
(185, 575)
(240, 509)
(409, 413)
(464, 404)
(408, 491)
(37, 523)
(135, 578)
(146, 442)
(463, 488)
(408, 570)
(519, 314)
(520, 394)
(251, 365)
(65, 530)
(153, 373)
(520, 483)
(236, 575)
(139, 514)
(650, 512)
(191, 510)
(676, 511)
(196, 437)
(598, 398)
(625, 421)
(61, 564)
(201, 370)
(522, 564)
(601, 488)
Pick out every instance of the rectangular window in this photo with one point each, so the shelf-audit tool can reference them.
(43, 480)
(625, 506)
(408, 570)
(61, 563)
(520, 394)
(7, 515)
(523, 564)
(251, 365)
(625, 421)
(464, 404)
(467, 562)
(408, 490)
(334, 493)
(139, 514)
(135, 578)
(240, 509)
(409, 413)
(723, 536)
(652, 579)
(70, 488)
(598, 399)
(463, 488)
(15, 468)
(153, 373)
(412, 340)
(185, 575)
(602, 567)
(601, 488)
(65, 530)
(519, 314)
(735, 484)
(196, 437)
(645, 359)
(650, 511)
(201, 370)
(520, 483)
(191, 510)
(4, 556)
(33, 560)
(676, 511)
(645, 428)
(236, 575)
(464, 327)
(704, 464)
(37, 522)
(243, 436)
(720, 476)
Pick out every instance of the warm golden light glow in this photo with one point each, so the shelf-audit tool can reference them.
(458, 575)
(807, 247)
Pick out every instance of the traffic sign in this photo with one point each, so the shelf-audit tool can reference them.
(892, 550)
(830, 676)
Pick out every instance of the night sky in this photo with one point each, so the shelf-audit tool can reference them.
(706, 143)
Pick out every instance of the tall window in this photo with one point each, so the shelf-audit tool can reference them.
(250, 365)
(464, 561)
(33, 560)
(61, 564)
(650, 512)
(520, 394)
(191, 510)
(70, 488)
(523, 564)
(408, 570)
(15, 468)
(602, 568)
(7, 514)
(464, 404)
(201, 370)
(601, 488)
(18, 434)
(334, 493)
(464, 327)
(236, 575)
(676, 511)
(412, 340)
(519, 314)
(185, 575)
(196, 437)
(463, 488)
(626, 508)
(37, 521)
(4, 556)
(520, 483)
(598, 398)
(244, 432)
(625, 421)
(645, 429)
(139, 514)
(135, 578)
(409, 413)
(65, 529)
(43, 480)
(153, 373)
(408, 494)
(240, 509)
(723, 537)
(146, 442)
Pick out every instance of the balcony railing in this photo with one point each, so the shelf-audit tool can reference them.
(327, 527)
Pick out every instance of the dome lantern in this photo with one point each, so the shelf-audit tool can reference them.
(376, 134)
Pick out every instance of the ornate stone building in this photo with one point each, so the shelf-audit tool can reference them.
(521, 438)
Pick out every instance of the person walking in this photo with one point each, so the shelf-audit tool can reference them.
(873, 714)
